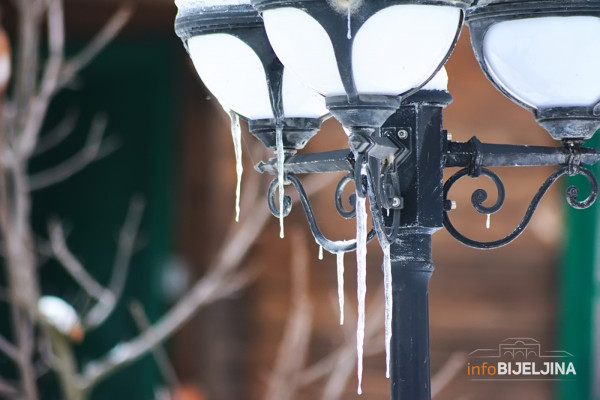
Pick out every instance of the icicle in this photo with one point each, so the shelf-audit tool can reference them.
(361, 264)
(320, 252)
(487, 221)
(349, 32)
(340, 278)
(280, 170)
(236, 133)
(389, 304)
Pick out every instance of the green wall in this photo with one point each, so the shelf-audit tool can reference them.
(578, 283)
(133, 82)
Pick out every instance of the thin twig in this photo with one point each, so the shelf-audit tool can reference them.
(60, 132)
(98, 43)
(340, 364)
(8, 390)
(71, 263)
(125, 249)
(159, 353)
(94, 149)
(446, 374)
(8, 348)
(296, 339)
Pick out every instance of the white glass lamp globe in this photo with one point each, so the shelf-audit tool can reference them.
(223, 40)
(363, 54)
(395, 47)
(546, 61)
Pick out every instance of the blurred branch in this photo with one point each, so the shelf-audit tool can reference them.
(49, 80)
(447, 373)
(160, 355)
(33, 88)
(98, 43)
(125, 249)
(71, 263)
(8, 390)
(296, 339)
(8, 348)
(94, 149)
(340, 364)
(240, 239)
(57, 134)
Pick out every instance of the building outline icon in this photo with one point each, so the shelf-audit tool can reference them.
(519, 348)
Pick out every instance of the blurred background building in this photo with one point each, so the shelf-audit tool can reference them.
(175, 150)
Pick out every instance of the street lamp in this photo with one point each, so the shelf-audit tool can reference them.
(379, 66)
(228, 45)
(544, 56)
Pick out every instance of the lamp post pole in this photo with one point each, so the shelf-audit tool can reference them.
(421, 187)
(397, 146)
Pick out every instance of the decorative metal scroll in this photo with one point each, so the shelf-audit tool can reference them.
(332, 246)
(480, 195)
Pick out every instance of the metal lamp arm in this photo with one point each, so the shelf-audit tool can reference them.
(463, 154)
(474, 155)
(332, 246)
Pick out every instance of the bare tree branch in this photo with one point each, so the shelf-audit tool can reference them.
(94, 149)
(98, 43)
(8, 348)
(447, 373)
(32, 90)
(56, 135)
(125, 249)
(50, 77)
(294, 346)
(9, 390)
(159, 353)
(205, 291)
(71, 263)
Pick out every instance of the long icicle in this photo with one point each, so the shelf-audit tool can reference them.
(349, 23)
(361, 267)
(236, 134)
(281, 175)
(340, 281)
(387, 273)
(389, 304)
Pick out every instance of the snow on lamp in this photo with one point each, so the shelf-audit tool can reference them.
(544, 56)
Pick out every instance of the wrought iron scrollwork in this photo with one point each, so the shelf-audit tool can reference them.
(480, 195)
(332, 246)
(339, 198)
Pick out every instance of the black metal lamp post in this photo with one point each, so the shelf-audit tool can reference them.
(397, 146)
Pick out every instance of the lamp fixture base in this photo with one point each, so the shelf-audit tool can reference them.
(296, 131)
(365, 112)
(569, 122)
